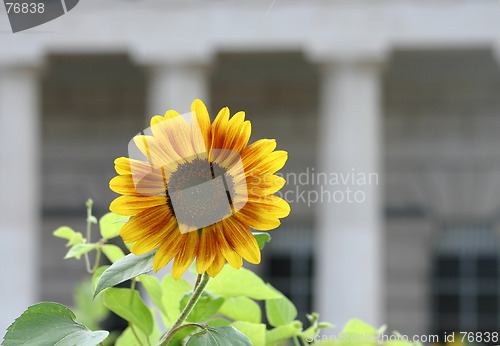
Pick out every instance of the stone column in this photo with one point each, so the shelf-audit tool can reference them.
(349, 278)
(19, 198)
(175, 86)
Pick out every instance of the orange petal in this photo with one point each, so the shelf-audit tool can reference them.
(241, 239)
(167, 251)
(207, 248)
(257, 152)
(233, 258)
(216, 265)
(257, 219)
(150, 221)
(151, 240)
(185, 256)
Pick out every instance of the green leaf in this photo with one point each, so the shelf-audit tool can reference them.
(355, 330)
(218, 322)
(97, 275)
(255, 332)
(219, 336)
(153, 287)
(64, 232)
(262, 238)
(80, 249)
(76, 240)
(50, 324)
(173, 291)
(232, 282)
(111, 224)
(113, 252)
(128, 337)
(206, 307)
(127, 304)
(285, 332)
(90, 312)
(357, 327)
(124, 269)
(280, 311)
(180, 335)
(242, 309)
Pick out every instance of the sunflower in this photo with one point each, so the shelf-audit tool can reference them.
(197, 189)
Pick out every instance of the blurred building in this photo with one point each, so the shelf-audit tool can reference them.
(402, 92)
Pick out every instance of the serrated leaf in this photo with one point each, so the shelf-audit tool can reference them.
(242, 309)
(111, 224)
(113, 252)
(80, 249)
(280, 311)
(232, 282)
(206, 307)
(128, 304)
(262, 238)
(219, 336)
(125, 269)
(50, 324)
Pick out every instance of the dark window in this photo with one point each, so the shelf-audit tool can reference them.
(292, 275)
(466, 284)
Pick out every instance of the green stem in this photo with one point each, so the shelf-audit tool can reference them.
(135, 333)
(89, 204)
(198, 290)
(97, 260)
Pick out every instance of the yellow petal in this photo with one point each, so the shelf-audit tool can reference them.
(150, 148)
(270, 204)
(259, 185)
(132, 205)
(200, 127)
(256, 152)
(272, 163)
(124, 165)
(152, 185)
(219, 126)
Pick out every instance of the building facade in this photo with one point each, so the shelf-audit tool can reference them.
(392, 104)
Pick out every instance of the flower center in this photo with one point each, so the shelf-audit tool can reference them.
(199, 193)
